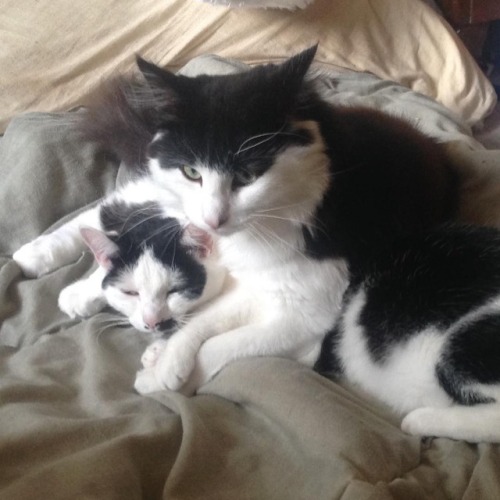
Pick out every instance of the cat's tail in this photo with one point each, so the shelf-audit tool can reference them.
(122, 119)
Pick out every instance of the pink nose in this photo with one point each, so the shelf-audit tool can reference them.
(215, 221)
(151, 322)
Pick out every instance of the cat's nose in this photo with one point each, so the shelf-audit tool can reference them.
(215, 221)
(151, 322)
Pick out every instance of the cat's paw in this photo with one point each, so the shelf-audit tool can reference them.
(176, 362)
(150, 356)
(36, 258)
(421, 422)
(76, 301)
(146, 382)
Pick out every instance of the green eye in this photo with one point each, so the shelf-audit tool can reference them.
(191, 173)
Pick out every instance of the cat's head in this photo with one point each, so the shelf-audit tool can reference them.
(155, 280)
(234, 148)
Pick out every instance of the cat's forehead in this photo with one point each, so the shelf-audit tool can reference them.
(152, 276)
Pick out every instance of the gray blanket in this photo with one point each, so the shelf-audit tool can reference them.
(71, 425)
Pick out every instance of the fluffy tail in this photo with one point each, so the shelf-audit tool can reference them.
(123, 119)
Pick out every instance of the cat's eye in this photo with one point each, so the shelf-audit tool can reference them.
(131, 293)
(191, 173)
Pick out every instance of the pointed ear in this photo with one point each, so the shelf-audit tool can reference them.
(198, 242)
(296, 67)
(156, 76)
(287, 78)
(102, 247)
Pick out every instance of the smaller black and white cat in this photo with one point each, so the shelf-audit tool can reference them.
(152, 269)
(420, 330)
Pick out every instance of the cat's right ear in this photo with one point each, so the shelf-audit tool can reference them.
(101, 246)
(156, 76)
(198, 242)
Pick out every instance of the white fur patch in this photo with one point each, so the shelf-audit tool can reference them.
(405, 379)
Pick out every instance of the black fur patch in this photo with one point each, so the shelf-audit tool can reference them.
(431, 280)
(235, 123)
(472, 355)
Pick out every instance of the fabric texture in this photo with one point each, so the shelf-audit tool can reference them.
(54, 55)
(71, 425)
(263, 4)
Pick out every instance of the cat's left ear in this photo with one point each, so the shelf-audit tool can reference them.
(198, 242)
(101, 246)
(294, 70)
(300, 63)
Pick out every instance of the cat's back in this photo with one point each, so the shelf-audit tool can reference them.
(387, 179)
(433, 278)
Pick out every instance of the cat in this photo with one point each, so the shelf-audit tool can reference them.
(151, 269)
(297, 192)
(420, 330)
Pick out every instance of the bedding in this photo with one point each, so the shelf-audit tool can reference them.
(54, 56)
(73, 427)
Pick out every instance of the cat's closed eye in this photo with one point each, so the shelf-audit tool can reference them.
(173, 290)
(131, 293)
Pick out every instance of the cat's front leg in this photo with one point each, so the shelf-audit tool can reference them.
(85, 297)
(145, 379)
(177, 360)
(276, 338)
(169, 365)
(150, 356)
(51, 251)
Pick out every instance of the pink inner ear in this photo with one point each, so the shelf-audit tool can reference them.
(100, 245)
(198, 240)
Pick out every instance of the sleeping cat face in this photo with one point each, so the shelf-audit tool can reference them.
(154, 280)
(230, 149)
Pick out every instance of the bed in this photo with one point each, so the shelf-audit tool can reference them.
(71, 425)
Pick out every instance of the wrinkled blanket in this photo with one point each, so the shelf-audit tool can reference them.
(71, 425)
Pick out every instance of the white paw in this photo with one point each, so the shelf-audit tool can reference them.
(75, 301)
(421, 422)
(145, 382)
(152, 353)
(36, 258)
(176, 362)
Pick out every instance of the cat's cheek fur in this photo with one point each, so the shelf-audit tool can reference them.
(126, 305)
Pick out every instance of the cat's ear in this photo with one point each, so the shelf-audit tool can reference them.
(156, 76)
(287, 78)
(101, 246)
(198, 242)
(296, 67)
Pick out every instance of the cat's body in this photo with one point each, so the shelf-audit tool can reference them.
(420, 330)
(150, 268)
(295, 190)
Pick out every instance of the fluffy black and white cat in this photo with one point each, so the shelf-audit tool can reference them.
(420, 330)
(296, 191)
(152, 269)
